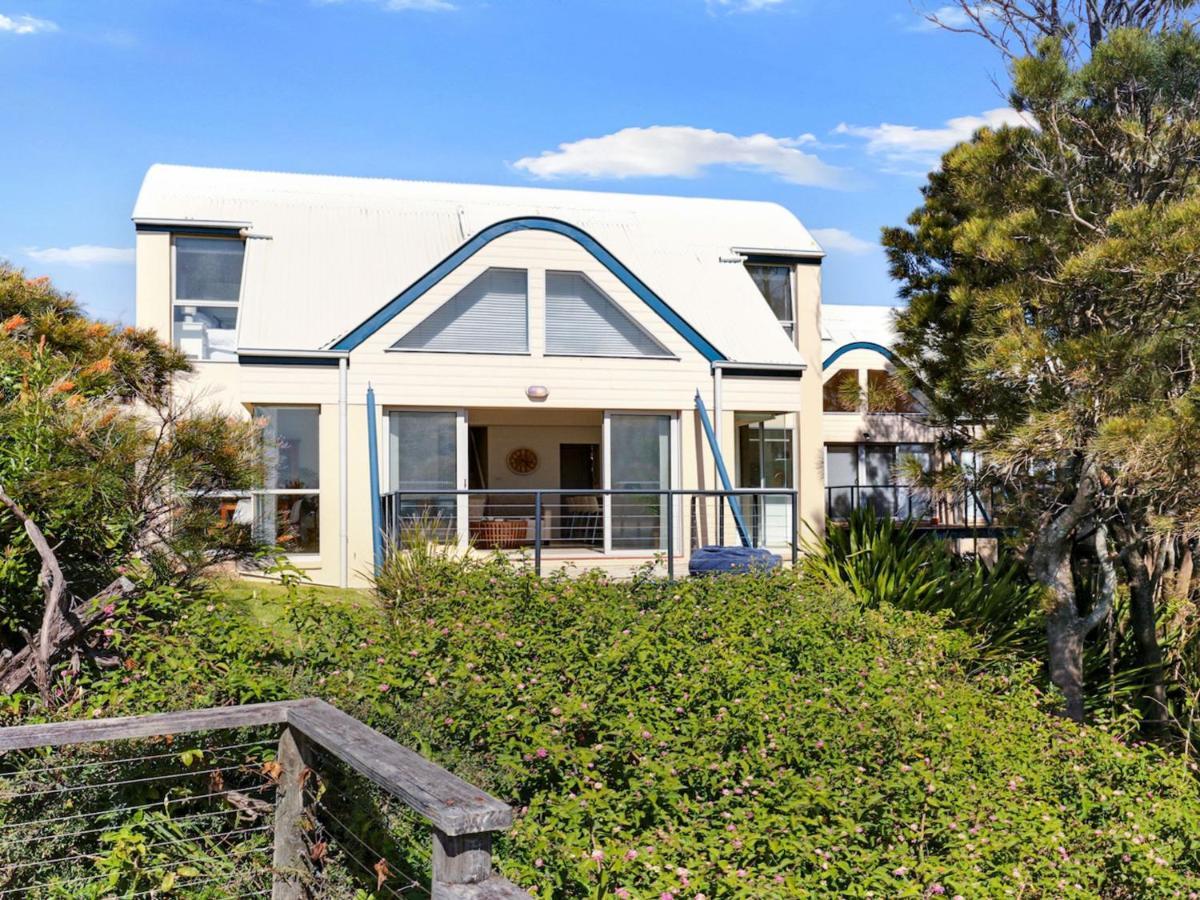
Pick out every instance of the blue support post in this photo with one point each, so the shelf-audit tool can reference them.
(734, 506)
(373, 468)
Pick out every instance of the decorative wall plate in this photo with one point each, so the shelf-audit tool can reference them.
(522, 461)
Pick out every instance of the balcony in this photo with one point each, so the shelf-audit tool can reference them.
(967, 513)
(593, 525)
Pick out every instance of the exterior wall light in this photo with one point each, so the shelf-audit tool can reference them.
(537, 392)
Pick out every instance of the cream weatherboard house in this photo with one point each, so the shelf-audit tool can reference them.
(525, 362)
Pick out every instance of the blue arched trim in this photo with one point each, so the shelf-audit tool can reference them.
(489, 234)
(859, 345)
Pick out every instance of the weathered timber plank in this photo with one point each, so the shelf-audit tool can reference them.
(58, 734)
(495, 888)
(290, 861)
(462, 858)
(452, 805)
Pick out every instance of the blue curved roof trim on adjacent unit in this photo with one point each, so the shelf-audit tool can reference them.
(859, 345)
(535, 223)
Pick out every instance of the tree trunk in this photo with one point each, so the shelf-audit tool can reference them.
(1050, 566)
(1053, 570)
(1143, 567)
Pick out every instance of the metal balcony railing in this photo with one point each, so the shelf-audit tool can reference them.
(629, 520)
(968, 509)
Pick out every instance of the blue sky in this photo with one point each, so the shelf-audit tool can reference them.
(834, 108)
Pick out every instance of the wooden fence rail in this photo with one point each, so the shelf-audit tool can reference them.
(463, 817)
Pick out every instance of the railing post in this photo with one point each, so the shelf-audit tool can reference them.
(670, 536)
(459, 859)
(537, 532)
(795, 528)
(290, 863)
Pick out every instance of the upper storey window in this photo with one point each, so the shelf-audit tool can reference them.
(582, 320)
(489, 315)
(774, 282)
(208, 286)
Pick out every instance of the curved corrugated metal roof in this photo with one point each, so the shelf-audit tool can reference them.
(340, 248)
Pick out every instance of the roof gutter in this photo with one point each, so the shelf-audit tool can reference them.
(249, 356)
(785, 370)
(780, 254)
(189, 223)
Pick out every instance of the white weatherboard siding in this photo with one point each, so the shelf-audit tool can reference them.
(331, 251)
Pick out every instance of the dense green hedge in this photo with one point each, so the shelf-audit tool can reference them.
(741, 737)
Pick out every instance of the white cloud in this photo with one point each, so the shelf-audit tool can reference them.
(81, 255)
(680, 151)
(952, 16)
(908, 144)
(743, 6)
(843, 241)
(25, 25)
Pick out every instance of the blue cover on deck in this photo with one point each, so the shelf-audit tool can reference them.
(714, 560)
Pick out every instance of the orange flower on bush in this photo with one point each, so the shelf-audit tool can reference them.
(12, 323)
(64, 386)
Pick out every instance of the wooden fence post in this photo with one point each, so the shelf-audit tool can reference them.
(290, 863)
(460, 859)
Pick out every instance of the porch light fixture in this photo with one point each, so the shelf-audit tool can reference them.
(537, 392)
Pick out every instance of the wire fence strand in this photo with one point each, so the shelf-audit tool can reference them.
(128, 759)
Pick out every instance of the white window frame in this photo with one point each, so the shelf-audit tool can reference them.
(255, 495)
(177, 301)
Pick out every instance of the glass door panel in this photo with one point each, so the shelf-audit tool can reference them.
(878, 490)
(423, 466)
(639, 455)
(841, 479)
(913, 501)
(765, 461)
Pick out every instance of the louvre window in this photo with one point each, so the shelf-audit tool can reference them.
(581, 320)
(489, 315)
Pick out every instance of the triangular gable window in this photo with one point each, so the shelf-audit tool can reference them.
(581, 320)
(489, 315)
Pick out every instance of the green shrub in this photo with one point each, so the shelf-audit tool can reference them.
(882, 561)
(731, 737)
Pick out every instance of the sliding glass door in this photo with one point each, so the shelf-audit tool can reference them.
(425, 464)
(637, 457)
(765, 460)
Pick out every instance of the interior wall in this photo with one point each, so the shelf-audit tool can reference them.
(544, 440)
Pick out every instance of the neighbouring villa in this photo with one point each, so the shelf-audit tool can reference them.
(596, 378)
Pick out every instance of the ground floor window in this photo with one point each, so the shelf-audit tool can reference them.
(287, 510)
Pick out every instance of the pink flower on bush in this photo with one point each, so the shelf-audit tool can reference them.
(622, 893)
(900, 871)
(110, 610)
(631, 855)
(936, 888)
(384, 688)
(598, 855)
(542, 752)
